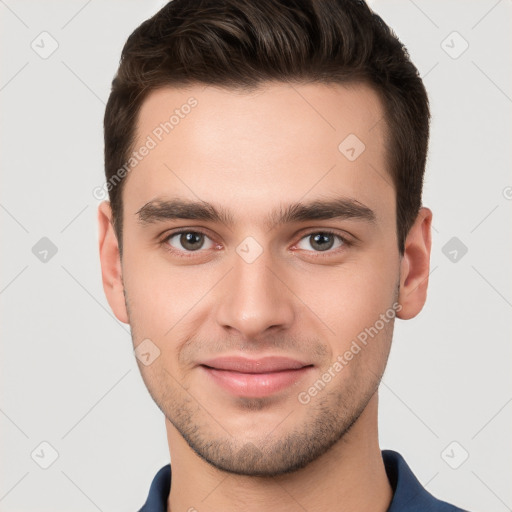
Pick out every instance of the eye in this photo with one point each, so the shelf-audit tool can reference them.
(323, 241)
(187, 241)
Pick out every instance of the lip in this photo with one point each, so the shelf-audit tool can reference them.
(254, 378)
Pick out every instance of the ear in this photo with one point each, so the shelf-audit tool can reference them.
(415, 266)
(110, 259)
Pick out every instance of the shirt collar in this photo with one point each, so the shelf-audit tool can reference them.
(408, 493)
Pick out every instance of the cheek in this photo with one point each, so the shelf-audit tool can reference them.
(166, 301)
(351, 297)
(156, 296)
(339, 300)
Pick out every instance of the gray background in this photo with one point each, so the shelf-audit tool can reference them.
(68, 374)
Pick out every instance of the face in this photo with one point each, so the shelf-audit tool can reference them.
(260, 270)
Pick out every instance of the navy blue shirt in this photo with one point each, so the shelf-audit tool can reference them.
(408, 494)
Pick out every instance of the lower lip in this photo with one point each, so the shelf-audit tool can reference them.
(255, 385)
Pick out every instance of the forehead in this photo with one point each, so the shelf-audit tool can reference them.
(278, 143)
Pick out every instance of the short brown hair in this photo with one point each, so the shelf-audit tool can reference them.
(244, 43)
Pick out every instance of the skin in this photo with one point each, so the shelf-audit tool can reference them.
(251, 152)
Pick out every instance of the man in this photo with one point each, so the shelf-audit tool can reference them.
(265, 162)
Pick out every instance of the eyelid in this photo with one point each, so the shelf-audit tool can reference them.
(346, 237)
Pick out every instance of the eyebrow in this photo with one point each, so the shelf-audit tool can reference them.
(342, 208)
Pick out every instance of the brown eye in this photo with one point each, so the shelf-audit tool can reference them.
(322, 241)
(187, 241)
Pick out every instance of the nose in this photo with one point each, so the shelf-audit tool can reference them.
(254, 298)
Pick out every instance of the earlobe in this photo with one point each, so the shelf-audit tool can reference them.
(415, 266)
(110, 260)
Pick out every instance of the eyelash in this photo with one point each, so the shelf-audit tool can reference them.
(319, 254)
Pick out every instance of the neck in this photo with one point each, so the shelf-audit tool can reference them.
(349, 476)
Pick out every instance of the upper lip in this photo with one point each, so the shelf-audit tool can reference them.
(262, 365)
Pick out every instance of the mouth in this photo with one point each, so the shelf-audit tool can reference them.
(254, 378)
